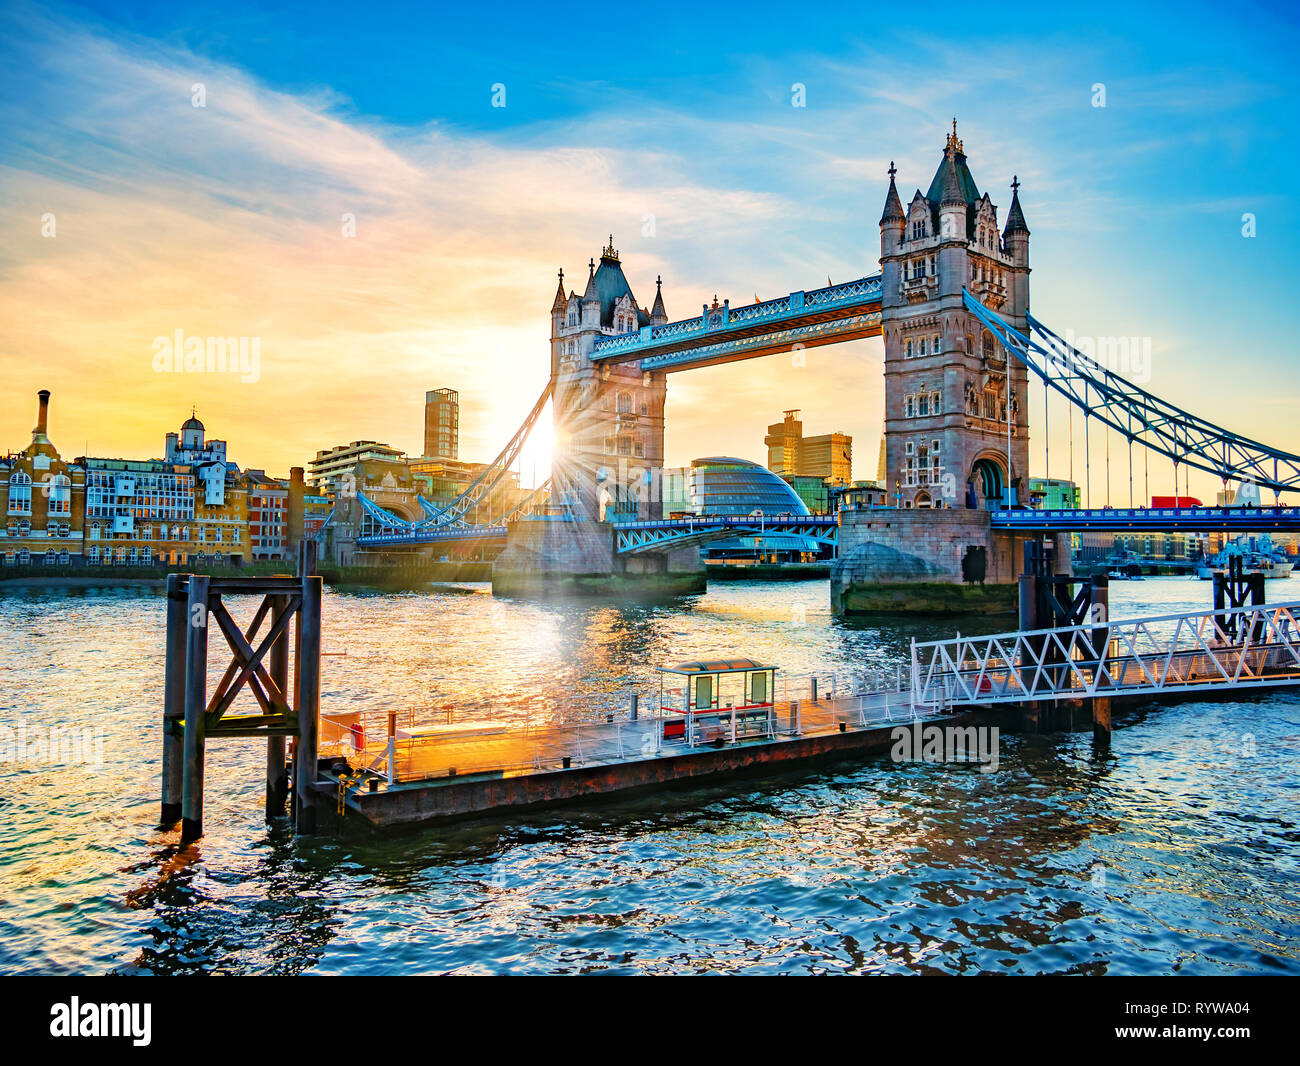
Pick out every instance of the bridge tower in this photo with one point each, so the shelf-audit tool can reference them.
(947, 405)
(608, 420)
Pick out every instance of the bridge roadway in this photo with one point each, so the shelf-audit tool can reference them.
(651, 535)
(725, 334)
(1154, 519)
(633, 537)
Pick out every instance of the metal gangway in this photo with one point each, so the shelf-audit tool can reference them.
(1238, 648)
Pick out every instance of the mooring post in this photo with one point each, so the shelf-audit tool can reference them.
(196, 695)
(173, 745)
(1256, 582)
(1101, 719)
(277, 773)
(305, 756)
(635, 698)
(813, 689)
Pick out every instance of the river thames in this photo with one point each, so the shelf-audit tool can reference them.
(1174, 852)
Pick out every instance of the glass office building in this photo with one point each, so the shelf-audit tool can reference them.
(722, 485)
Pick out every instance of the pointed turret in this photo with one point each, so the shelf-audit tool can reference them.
(893, 205)
(557, 306)
(893, 222)
(1015, 216)
(1015, 238)
(658, 316)
(591, 299)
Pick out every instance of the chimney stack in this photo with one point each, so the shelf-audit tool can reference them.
(42, 415)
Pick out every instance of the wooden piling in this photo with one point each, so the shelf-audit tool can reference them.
(1101, 719)
(196, 694)
(277, 774)
(305, 751)
(173, 744)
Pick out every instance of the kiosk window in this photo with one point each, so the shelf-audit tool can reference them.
(758, 688)
(703, 692)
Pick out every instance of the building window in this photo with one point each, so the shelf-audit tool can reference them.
(934, 405)
(934, 344)
(921, 347)
(909, 349)
(60, 495)
(20, 493)
(625, 403)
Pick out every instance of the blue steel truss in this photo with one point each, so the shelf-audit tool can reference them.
(416, 536)
(725, 333)
(1153, 519)
(657, 535)
(630, 538)
(1137, 414)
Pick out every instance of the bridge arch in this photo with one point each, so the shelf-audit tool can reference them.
(986, 483)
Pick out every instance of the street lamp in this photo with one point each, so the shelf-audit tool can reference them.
(758, 542)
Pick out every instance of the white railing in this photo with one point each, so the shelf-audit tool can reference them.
(1243, 646)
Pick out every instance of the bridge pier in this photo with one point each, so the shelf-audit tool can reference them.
(942, 561)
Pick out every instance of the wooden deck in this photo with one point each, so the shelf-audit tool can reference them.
(430, 751)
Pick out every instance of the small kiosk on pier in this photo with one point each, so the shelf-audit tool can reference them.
(735, 695)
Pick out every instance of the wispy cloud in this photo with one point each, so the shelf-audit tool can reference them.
(228, 220)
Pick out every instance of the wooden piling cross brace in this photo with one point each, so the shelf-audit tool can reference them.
(247, 666)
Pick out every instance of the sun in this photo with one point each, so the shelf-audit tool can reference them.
(535, 456)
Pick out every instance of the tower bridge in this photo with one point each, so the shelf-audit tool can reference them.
(951, 304)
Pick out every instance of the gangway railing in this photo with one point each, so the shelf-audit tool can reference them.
(1255, 647)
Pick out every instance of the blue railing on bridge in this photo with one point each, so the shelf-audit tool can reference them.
(725, 317)
(416, 535)
(741, 521)
(1171, 519)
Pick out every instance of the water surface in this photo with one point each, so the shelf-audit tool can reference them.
(1176, 851)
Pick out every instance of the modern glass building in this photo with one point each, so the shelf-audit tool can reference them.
(722, 485)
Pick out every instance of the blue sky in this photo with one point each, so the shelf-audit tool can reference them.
(683, 113)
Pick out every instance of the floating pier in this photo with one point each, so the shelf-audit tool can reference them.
(434, 772)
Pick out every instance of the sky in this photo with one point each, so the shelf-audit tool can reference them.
(129, 213)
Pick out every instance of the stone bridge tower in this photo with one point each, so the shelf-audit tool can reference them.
(947, 402)
(608, 420)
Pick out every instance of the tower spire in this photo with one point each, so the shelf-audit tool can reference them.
(658, 316)
(893, 205)
(1015, 216)
(558, 303)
